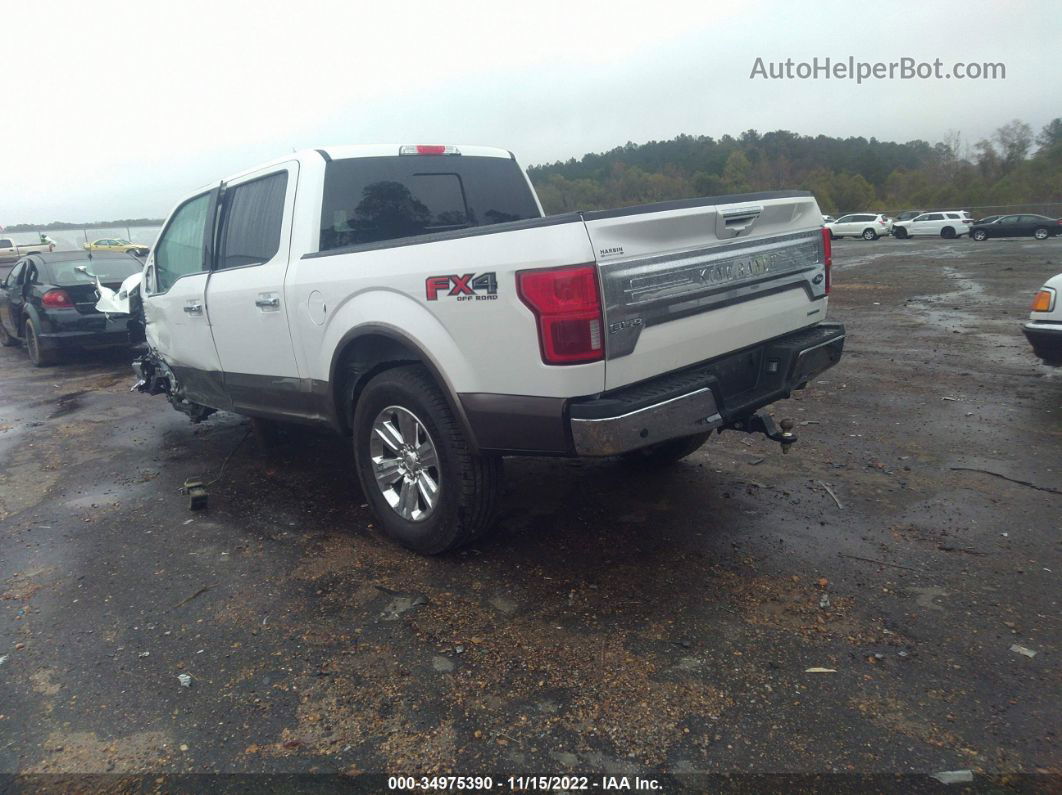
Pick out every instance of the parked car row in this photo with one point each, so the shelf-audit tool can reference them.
(948, 224)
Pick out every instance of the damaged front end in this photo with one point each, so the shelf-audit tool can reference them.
(154, 377)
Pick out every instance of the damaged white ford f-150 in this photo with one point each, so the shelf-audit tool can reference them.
(417, 299)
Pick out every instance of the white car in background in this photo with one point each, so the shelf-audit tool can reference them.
(1044, 329)
(947, 224)
(869, 226)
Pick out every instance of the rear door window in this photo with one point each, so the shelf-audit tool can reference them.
(375, 199)
(254, 213)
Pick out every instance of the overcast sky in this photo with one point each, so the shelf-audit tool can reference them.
(115, 109)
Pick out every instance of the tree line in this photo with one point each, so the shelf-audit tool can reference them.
(1014, 166)
(56, 226)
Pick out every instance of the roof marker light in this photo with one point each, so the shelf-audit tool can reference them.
(428, 149)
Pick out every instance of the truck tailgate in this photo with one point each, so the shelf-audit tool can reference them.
(687, 281)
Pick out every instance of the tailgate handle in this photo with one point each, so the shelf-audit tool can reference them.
(736, 221)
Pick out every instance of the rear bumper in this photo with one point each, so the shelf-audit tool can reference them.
(710, 395)
(71, 330)
(1046, 341)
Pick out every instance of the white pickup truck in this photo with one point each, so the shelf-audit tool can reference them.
(417, 299)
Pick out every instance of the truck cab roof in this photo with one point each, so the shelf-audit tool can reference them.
(348, 151)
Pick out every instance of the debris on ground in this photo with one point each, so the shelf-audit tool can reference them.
(144, 654)
(188, 599)
(401, 603)
(954, 776)
(830, 492)
(1022, 650)
(820, 670)
(196, 493)
(185, 680)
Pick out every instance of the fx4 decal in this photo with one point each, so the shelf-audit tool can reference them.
(465, 288)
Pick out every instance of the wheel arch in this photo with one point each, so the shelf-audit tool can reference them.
(370, 349)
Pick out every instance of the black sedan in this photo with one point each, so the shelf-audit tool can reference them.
(1039, 226)
(48, 301)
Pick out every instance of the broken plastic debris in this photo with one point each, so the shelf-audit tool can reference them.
(144, 654)
(954, 776)
(824, 601)
(3, 659)
(117, 303)
(185, 680)
(820, 670)
(1022, 650)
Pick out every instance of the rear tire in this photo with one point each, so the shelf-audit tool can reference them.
(948, 233)
(870, 234)
(979, 235)
(430, 449)
(37, 357)
(6, 339)
(1040, 233)
(665, 453)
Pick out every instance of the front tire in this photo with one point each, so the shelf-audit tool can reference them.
(429, 491)
(870, 234)
(900, 233)
(37, 356)
(1040, 233)
(979, 235)
(665, 453)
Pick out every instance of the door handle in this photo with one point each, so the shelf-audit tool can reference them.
(267, 303)
(193, 309)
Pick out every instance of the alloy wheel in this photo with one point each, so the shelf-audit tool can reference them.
(405, 463)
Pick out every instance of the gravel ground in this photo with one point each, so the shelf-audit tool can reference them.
(622, 622)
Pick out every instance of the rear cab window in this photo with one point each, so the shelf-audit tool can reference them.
(375, 199)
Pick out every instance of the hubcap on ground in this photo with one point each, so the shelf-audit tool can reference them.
(405, 463)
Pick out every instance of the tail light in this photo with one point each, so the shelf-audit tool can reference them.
(57, 299)
(827, 255)
(1044, 301)
(567, 306)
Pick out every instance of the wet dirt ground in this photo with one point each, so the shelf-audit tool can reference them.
(619, 621)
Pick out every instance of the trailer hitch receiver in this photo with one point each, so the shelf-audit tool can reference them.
(762, 422)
